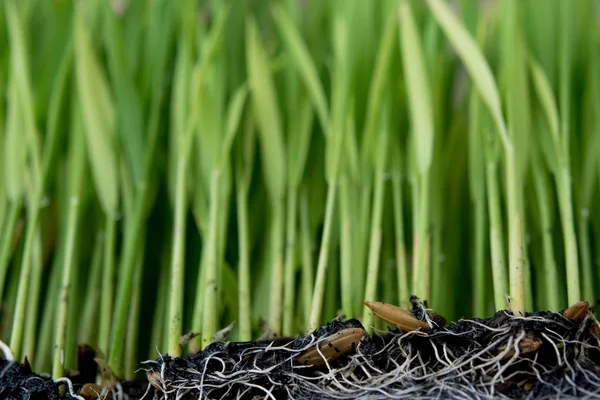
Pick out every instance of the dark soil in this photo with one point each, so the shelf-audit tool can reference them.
(539, 356)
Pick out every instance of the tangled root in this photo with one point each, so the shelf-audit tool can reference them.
(540, 355)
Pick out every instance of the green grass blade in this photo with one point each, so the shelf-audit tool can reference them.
(98, 116)
(303, 63)
(418, 88)
(266, 112)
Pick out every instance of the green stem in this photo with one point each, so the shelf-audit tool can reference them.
(479, 289)
(88, 328)
(211, 283)
(422, 276)
(374, 247)
(7, 241)
(43, 359)
(496, 238)
(289, 299)
(129, 250)
(63, 304)
(244, 320)
(108, 276)
(314, 320)
(127, 266)
(515, 239)
(307, 259)
(134, 319)
(177, 261)
(33, 302)
(275, 308)
(403, 294)
(16, 339)
(565, 204)
(586, 257)
(346, 249)
(160, 310)
(550, 268)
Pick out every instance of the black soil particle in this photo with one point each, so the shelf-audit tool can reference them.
(540, 355)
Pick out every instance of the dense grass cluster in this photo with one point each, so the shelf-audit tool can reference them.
(172, 166)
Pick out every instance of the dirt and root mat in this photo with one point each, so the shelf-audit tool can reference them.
(543, 355)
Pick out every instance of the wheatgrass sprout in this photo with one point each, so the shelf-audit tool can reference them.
(169, 167)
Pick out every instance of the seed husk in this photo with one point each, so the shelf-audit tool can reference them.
(577, 311)
(333, 347)
(91, 391)
(396, 316)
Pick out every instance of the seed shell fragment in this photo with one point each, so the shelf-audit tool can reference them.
(396, 316)
(333, 347)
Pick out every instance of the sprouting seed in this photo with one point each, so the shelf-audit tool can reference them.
(577, 311)
(396, 316)
(333, 347)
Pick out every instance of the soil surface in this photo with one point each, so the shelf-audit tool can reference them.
(540, 355)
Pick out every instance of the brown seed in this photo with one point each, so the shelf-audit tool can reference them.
(333, 347)
(528, 344)
(154, 379)
(91, 391)
(577, 311)
(396, 316)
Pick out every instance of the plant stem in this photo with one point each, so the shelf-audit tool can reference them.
(515, 239)
(88, 328)
(496, 238)
(586, 257)
(129, 250)
(289, 301)
(33, 302)
(479, 291)
(211, 283)
(127, 267)
(275, 307)
(374, 247)
(17, 335)
(314, 320)
(134, 319)
(7, 240)
(346, 249)
(108, 276)
(177, 261)
(565, 205)
(63, 303)
(400, 243)
(422, 275)
(307, 259)
(244, 320)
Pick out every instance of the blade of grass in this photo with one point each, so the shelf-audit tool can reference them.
(77, 172)
(477, 192)
(244, 162)
(332, 165)
(558, 163)
(376, 229)
(24, 112)
(420, 106)
(480, 72)
(304, 63)
(298, 147)
(273, 157)
(542, 188)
